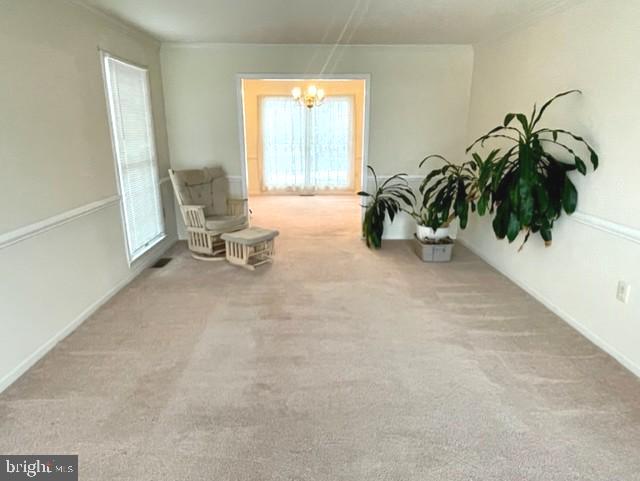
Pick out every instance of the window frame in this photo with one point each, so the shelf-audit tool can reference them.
(105, 56)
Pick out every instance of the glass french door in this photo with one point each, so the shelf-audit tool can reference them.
(307, 149)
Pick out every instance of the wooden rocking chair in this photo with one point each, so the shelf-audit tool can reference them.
(207, 210)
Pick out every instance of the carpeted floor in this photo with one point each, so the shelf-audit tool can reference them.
(336, 363)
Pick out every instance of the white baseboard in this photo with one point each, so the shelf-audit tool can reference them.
(562, 314)
(39, 353)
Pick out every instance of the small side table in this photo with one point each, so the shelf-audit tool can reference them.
(250, 247)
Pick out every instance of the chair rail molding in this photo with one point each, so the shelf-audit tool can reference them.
(622, 231)
(613, 228)
(23, 233)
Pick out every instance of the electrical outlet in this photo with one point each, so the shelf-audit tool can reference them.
(622, 294)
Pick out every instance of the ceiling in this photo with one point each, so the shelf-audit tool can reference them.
(326, 21)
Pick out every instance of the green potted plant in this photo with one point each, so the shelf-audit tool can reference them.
(449, 192)
(446, 194)
(528, 186)
(387, 199)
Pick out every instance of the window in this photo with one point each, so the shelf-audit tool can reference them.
(307, 149)
(132, 133)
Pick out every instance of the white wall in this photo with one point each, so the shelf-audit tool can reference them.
(62, 248)
(594, 46)
(419, 98)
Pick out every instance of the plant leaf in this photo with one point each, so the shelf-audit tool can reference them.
(483, 201)
(433, 156)
(513, 227)
(507, 119)
(549, 102)
(522, 118)
(501, 220)
(593, 155)
(569, 196)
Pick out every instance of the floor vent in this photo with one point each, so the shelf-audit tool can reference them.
(163, 261)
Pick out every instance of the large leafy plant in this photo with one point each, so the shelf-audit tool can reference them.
(387, 199)
(527, 186)
(452, 190)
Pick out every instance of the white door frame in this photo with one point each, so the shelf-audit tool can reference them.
(294, 76)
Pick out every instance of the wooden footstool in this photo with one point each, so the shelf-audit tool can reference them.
(250, 247)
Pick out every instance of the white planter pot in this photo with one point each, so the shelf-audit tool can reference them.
(423, 232)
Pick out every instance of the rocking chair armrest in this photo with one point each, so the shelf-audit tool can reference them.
(237, 206)
(193, 215)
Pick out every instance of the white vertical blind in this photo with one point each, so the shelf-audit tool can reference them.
(132, 133)
(307, 149)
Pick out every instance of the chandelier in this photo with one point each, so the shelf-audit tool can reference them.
(311, 97)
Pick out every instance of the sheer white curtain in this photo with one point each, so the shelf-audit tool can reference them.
(330, 157)
(306, 149)
(284, 132)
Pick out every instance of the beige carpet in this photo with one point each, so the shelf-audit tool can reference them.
(335, 363)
